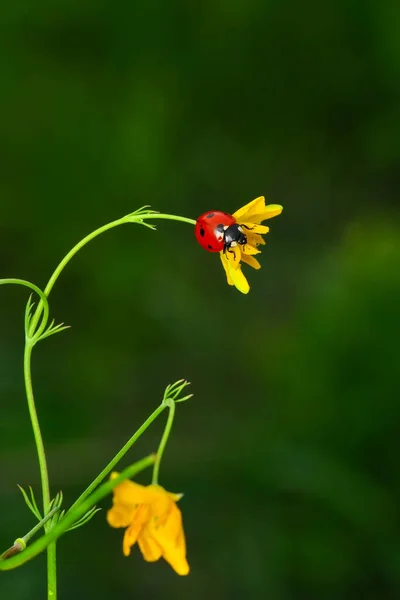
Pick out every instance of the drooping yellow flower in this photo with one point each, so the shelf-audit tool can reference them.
(249, 217)
(153, 520)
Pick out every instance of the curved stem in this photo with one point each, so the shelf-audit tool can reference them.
(69, 519)
(134, 218)
(43, 302)
(156, 469)
(117, 457)
(164, 216)
(66, 260)
(31, 337)
(44, 475)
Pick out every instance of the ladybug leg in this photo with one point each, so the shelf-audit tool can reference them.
(246, 227)
(229, 249)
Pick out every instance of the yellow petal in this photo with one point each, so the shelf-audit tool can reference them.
(132, 533)
(234, 275)
(170, 537)
(271, 210)
(159, 499)
(252, 208)
(254, 228)
(148, 546)
(248, 249)
(233, 256)
(255, 239)
(129, 492)
(250, 260)
(120, 515)
(176, 556)
(239, 280)
(226, 267)
(126, 498)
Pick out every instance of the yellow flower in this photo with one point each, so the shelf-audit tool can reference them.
(249, 217)
(153, 520)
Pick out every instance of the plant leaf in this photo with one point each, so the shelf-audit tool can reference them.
(184, 399)
(28, 313)
(142, 210)
(85, 519)
(52, 329)
(172, 391)
(34, 503)
(31, 503)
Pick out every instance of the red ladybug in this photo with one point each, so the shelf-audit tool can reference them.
(217, 231)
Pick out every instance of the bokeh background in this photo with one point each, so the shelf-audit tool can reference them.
(288, 453)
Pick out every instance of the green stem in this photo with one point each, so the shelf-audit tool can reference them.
(163, 216)
(31, 337)
(44, 475)
(35, 529)
(128, 219)
(43, 302)
(20, 543)
(66, 260)
(69, 519)
(51, 571)
(117, 457)
(156, 469)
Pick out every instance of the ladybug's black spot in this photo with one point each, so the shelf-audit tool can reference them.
(202, 232)
(210, 247)
(210, 215)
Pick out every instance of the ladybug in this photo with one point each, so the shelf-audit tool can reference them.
(218, 231)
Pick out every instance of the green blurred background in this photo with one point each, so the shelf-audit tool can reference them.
(288, 452)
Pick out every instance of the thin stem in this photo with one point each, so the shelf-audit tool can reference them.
(35, 529)
(66, 260)
(43, 302)
(163, 216)
(118, 457)
(156, 469)
(127, 219)
(20, 543)
(51, 571)
(44, 475)
(31, 337)
(69, 519)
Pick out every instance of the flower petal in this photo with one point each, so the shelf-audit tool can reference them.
(234, 275)
(271, 210)
(233, 256)
(250, 260)
(239, 280)
(135, 529)
(252, 208)
(129, 492)
(170, 537)
(149, 547)
(226, 267)
(254, 228)
(254, 239)
(159, 499)
(120, 515)
(126, 498)
(248, 249)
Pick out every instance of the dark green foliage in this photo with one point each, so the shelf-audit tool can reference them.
(288, 453)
